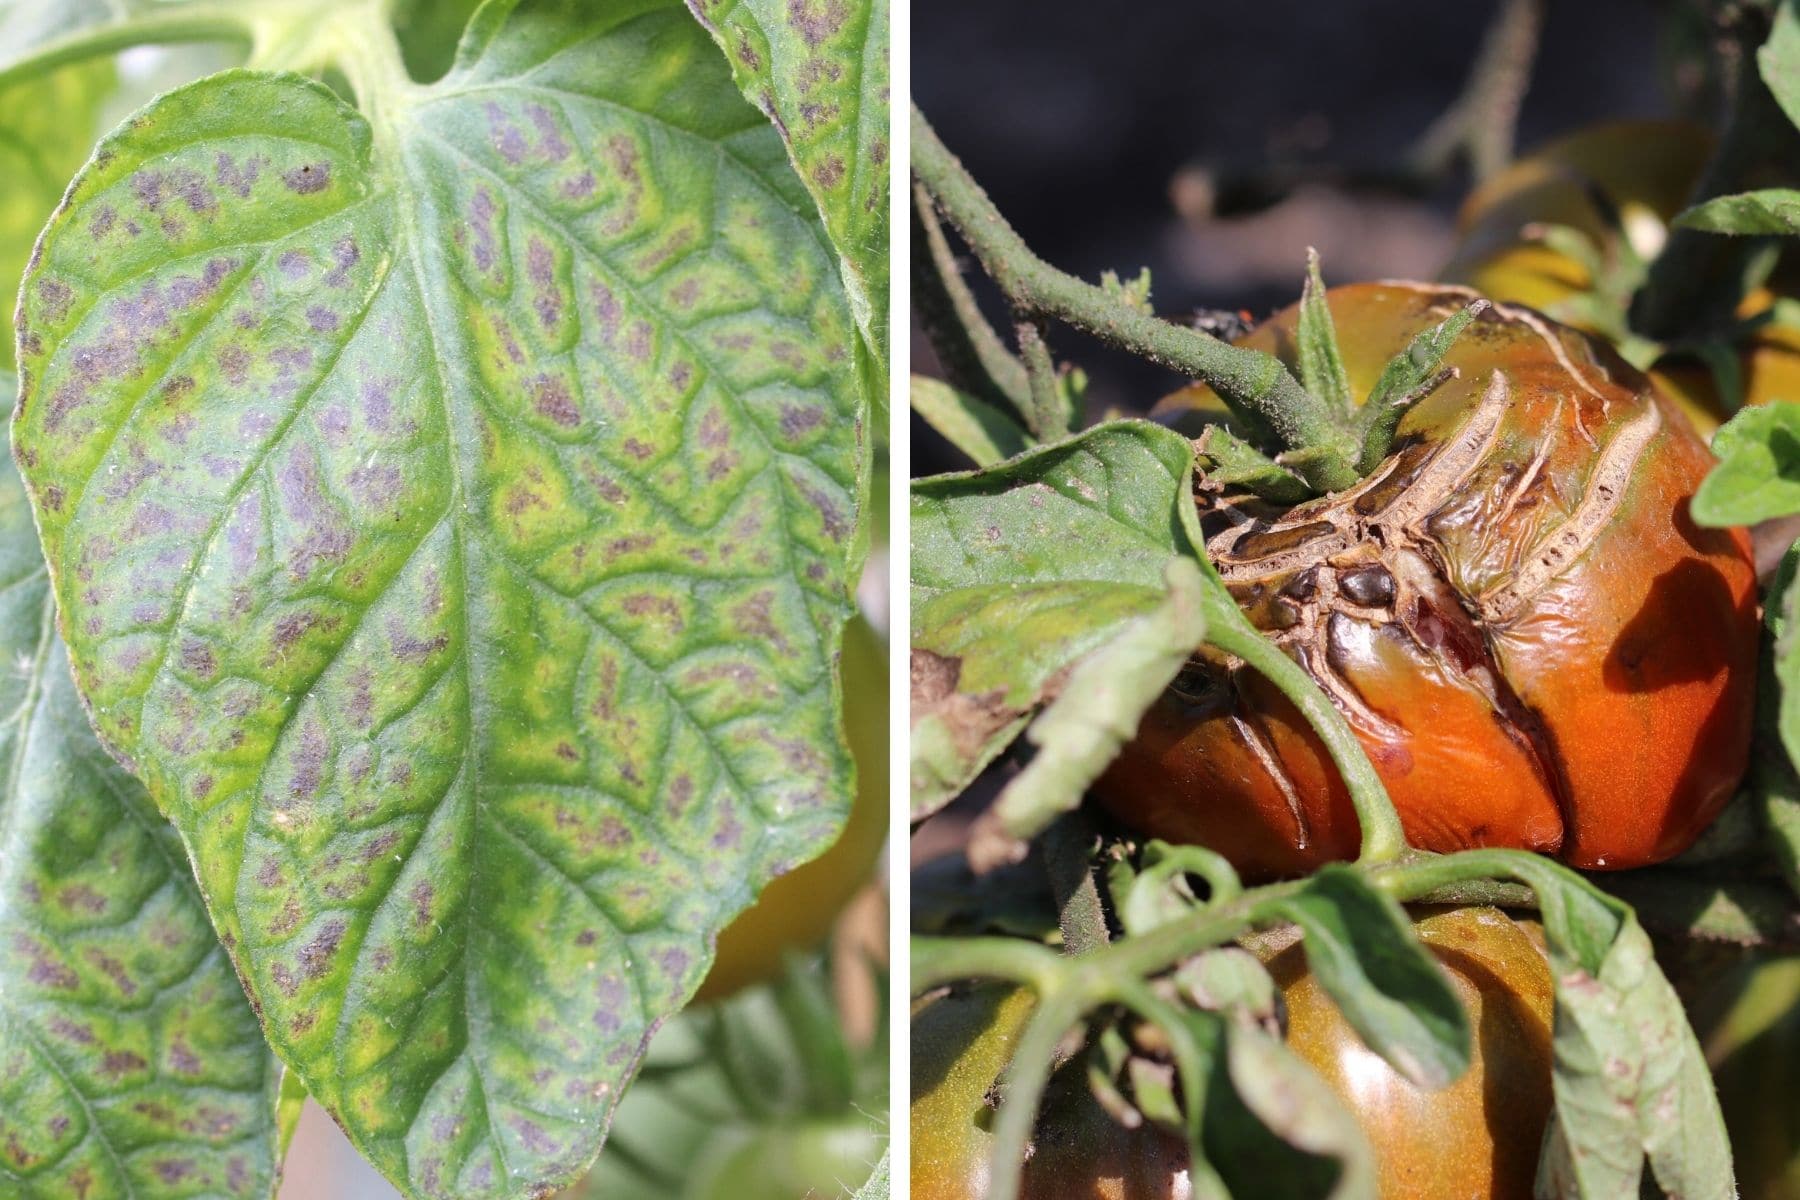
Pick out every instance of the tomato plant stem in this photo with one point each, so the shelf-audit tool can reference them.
(1027, 1074)
(1251, 382)
(972, 354)
(1383, 838)
(185, 23)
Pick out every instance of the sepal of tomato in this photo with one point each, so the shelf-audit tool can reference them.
(1534, 644)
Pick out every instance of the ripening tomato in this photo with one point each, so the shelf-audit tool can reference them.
(961, 1043)
(1645, 171)
(797, 910)
(1477, 1139)
(1531, 639)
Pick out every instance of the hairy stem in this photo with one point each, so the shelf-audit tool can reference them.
(971, 353)
(1483, 120)
(1254, 383)
(1069, 859)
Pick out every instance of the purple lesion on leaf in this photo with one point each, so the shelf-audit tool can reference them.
(345, 254)
(551, 143)
(484, 240)
(197, 658)
(119, 1063)
(81, 897)
(507, 138)
(316, 955)
(730, 832)
(816, 21)
(182, 1059)
(551, 398)
(308, 178)
(534, 1137)
(409, 646)
(44, 969)
(422, 896)
(73, 1032)
(239, 177)
(829, 171)
(54, 297)
(753, 619)
(309, 760)
(580, 187)
(321, 319)
(832, 517)
(625, 160)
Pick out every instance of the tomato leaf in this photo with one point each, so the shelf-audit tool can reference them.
(454, 527)
(983, 432)
(1361, 948)
(1758, 476)
(1769, 211)
(1778, 59)
(819, 70)
(1293, 1110)
(1095, 713)
(130, 1063)
(1628, 1076)
(1020, 571)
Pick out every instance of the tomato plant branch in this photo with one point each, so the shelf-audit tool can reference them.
(1251, 382)
(1046, 418)
(971, 353)
(1027, 1074)
(1482, 121)
(1069, 859)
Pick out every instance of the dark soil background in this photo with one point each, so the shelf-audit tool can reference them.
(1094, 125)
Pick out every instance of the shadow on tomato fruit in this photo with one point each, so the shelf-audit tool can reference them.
(797, 910)
(1531, 641)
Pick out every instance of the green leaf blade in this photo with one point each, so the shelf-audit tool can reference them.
(1758, 476)
(130, 1062)
(819, 70)
(457, 530)
(1770, 211)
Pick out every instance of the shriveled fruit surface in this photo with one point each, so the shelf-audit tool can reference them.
(1534, 643)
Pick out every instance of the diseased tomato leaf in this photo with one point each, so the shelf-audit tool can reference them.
(454, 527)
(1758, 476)
(819, 69)
(130, 1062)
(1361, 948)
(1630, 1083)
(1020, 571)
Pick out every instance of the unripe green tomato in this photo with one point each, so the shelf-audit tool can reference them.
(797, 910)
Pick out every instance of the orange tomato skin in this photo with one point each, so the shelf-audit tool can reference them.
(1553, 656)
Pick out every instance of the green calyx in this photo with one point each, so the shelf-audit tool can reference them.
(1314, 439)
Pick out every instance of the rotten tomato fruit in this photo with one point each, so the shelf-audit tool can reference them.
(1533, 642)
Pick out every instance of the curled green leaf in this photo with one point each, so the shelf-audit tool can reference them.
(1758, 476)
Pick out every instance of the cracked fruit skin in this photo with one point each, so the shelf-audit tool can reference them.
(1478, 1138)
(961, 1043)
(798, 909)
(1533, 642)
